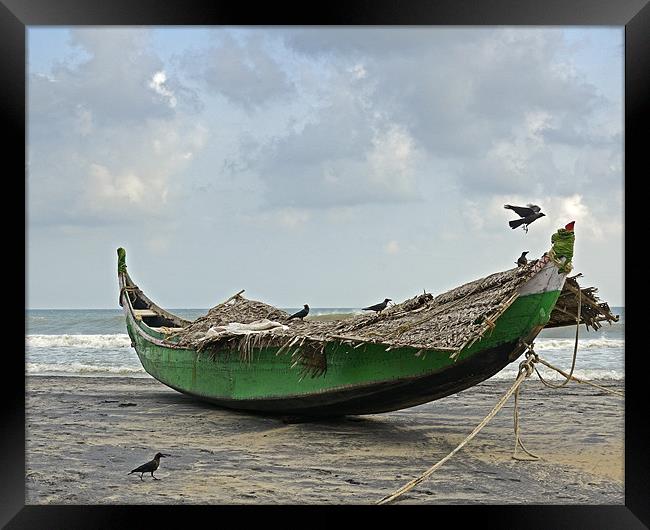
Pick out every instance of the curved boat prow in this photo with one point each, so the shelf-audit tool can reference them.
(552, 268)
(139, 306)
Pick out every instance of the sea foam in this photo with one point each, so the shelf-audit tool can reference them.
(82, 369)
(120, 340)
(583, 344)
(510, 373)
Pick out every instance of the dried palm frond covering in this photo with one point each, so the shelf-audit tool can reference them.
(592, 311)
(447, 322)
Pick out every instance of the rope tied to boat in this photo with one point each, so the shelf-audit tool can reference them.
(526, 368)
(528, 365)
(569, 376)
(582, 381)
(126, 289)
(525, 371)
(575, 349)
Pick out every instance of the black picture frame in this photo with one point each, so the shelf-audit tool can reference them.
(17, 15)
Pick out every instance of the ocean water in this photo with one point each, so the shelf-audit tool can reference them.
(93, 342)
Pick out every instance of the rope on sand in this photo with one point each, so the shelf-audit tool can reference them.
(575, 350)
(535, 359)
(518, 441)
(526, 368)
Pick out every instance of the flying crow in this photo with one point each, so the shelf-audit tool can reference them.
(149, 467)
(301, 314)
(528, 214)
(523, 211)
(378, 307)
(522, 259)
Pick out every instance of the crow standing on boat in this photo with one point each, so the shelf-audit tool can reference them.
(301, 314)
(522, 259)
(378, 307)
(149, 467)
(528, 214)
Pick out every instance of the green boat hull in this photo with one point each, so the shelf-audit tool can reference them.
(363, 380)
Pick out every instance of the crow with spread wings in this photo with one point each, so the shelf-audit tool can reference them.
(528, 214)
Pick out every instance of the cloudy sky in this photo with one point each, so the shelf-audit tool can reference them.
(329, 166)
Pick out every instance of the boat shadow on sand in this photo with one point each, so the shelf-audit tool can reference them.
(379, 427)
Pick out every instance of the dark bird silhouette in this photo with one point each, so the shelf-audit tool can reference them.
(301, 314)
(528, 214)
(378, 307)
(149, 467)
(523, 211)
(522, 259)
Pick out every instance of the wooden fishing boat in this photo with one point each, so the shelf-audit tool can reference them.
(414, 352)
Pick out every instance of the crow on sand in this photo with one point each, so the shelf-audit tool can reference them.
(149, 467)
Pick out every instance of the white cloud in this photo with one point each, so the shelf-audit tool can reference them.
(157, 84)
(246, 72)
(100, 142)
(393, 161)
(358, 71)
(559, 210)
(126, 186)
(348, 153)
(507, 105)
(573, 208)
(536, 122)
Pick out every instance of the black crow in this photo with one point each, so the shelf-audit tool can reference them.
(522, 259)
(528, 214)
(149, 467)
(378, 307)
(301, 314)
(523, 211)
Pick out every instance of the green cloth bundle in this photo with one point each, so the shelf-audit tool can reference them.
(563, 241)
(121, 260)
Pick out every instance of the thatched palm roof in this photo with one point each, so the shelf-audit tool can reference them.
(592, 311)
(447, 322)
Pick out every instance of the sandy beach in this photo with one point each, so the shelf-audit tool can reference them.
(84, 434)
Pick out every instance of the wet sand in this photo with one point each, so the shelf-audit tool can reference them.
(83, 436)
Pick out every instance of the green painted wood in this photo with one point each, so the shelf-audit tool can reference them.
(225, 376)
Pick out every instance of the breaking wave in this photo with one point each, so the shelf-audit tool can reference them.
(510, 373)
(120, 340)
(83, 369)
(583, 344)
